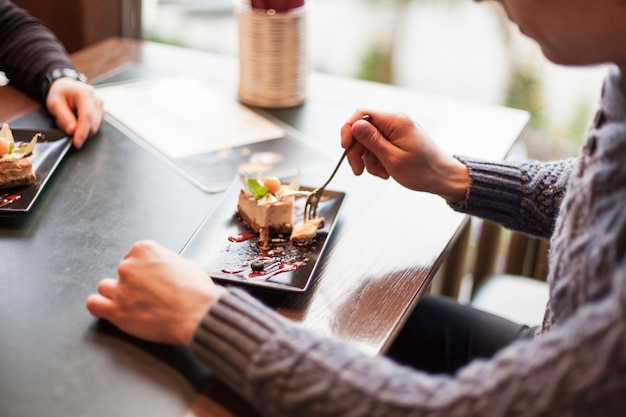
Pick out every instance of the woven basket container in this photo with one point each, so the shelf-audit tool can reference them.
(273, 63)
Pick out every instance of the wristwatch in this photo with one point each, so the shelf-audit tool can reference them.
(57, 73)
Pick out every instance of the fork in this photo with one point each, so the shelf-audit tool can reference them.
(313, 200)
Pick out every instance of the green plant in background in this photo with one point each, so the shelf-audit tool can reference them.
(377, 63)
(580, 123)
(158, 39)
(524, 91)
(547, 137)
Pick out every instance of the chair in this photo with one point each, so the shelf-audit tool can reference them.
(515, 297)
(498, 271)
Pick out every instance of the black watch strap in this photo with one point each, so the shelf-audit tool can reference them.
(57, 73)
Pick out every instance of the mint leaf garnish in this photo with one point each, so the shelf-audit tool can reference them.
(256, 189)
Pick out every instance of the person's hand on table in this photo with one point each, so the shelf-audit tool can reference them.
(159, 295)
(392, 145)
(78, 111)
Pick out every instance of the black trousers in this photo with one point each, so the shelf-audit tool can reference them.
(442, 335)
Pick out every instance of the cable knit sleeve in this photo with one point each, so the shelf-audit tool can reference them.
(28, 50)
(522, 196)
(283, 369)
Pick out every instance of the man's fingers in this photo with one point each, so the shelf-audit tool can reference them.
(356, 163)
(65, 118)
(106, 287)
(100, 306)
(81, 133)
(89, 119)
(369, 136)
(374, 167)
(355, 157)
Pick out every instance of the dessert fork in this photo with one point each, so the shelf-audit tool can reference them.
(313, 200)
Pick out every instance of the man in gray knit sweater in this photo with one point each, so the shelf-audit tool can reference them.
(574, 365)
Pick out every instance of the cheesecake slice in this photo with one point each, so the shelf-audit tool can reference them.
(16, 168)
(267, 207)
(268, 214)
(16, 172)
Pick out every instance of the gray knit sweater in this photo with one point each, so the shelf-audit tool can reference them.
(576, 366)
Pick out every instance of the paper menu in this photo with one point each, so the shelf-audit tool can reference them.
(183, 115)
(208, 136)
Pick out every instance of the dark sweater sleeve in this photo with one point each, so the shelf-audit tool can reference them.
(521, 196)
(28, 50)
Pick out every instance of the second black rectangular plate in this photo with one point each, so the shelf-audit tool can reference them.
(48, 153)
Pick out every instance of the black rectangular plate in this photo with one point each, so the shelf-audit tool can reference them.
(47, 155)
(228, 261)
